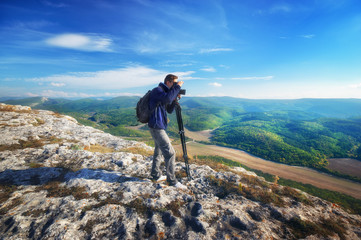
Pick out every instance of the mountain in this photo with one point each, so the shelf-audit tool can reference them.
(37, 102)
(338, 108)
(63, 180)
(304, 132)
(335, 108)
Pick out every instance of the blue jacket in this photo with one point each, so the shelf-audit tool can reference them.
(162, 101)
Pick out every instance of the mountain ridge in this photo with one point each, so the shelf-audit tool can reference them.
(327, 107)
(60, 179)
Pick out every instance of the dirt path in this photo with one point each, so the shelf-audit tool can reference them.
(299, 174)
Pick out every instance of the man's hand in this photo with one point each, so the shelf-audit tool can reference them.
(180, 83)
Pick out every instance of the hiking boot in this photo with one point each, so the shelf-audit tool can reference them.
(180, 186)
(160, 179)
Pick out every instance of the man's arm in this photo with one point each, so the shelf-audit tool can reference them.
(170, 107)
(168, 97)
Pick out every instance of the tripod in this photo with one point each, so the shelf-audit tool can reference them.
(178, 110)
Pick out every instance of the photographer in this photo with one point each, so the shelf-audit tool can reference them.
(163, 100)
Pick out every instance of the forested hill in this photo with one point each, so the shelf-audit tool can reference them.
(338, 108)
(302, 132)
(277, 136)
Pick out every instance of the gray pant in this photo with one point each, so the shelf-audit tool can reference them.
(163, 149)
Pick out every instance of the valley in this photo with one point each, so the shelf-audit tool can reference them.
(308, 133)
(299, 174)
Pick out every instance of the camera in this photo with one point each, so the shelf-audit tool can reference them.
(182, 92)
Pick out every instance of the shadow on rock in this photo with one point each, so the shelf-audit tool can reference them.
(43, 175)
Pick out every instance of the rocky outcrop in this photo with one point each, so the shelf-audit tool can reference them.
(62, 180)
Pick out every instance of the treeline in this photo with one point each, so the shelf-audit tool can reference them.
(277, 137)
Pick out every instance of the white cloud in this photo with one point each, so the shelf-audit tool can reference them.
(62, 94)
(37, 24)
(57, 84)
(215, 84)
(184, 75)
(280, 8)
(128, 77)
(355, 85)
(52, 4)
(107, 94)
(210, 69)
(253, 78)
(211, 50)
(224, 66)
(308, 36)
(29, 94)
(81, 42)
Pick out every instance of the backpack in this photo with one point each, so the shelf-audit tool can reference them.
(143, 111)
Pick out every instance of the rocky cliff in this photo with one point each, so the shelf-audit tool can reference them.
(62, 180)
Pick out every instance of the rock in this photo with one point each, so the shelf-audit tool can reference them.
(168, 219)
(56, 183)
(276, 215)
(255, 215)
(195, 225)
(196, 209)
(237, 223)
(150, 229)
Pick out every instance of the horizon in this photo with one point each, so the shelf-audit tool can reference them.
(4, 99)
(282, 50)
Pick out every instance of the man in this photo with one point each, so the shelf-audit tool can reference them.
(162, 100)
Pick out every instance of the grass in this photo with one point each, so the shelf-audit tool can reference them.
(138, 205)
(35, 165)
(351, 204)
(58, 115)
(102, 149)
(225, 188)
(31, 142)
(299, 228)
(115, 200)
(138, 150)
(14, 203)
(98, 148)
(5, 193)
(174, 207)
(218, 166)
(54, 189)
(34, 213)
(325, 228)
(292, 193)
(38, 122)
(102, 203)
(11, 108)
(88, 227)
(247, 187)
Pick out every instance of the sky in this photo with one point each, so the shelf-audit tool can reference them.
(257, 49)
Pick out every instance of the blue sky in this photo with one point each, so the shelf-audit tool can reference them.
(255, 49)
